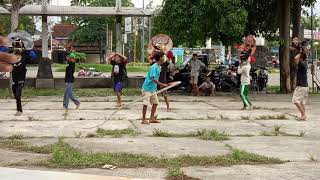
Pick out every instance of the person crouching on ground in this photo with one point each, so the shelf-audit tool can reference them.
(207, 87)
(244, 71)
(300, 95)
(149, 88)
(118, 75)
(69, 80)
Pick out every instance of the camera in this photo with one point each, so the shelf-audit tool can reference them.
(17, 46)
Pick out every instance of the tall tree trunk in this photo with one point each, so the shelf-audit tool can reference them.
(296, 32)
(284, 17)
(14, 18)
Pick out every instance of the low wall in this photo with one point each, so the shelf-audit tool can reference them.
(82, 82)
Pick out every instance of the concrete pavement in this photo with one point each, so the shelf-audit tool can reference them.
(43, 122)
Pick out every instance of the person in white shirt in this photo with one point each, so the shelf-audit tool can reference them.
(244, 71)
(207, 87)
(195, 66)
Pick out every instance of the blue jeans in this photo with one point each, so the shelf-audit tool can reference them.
(68, 94)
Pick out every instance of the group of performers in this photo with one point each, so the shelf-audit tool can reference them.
(161, 60)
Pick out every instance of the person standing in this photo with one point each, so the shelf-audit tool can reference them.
(300, 95)
(195, 66)
(163, 78)
(69, 80)
(149, 88)
(118, 75)
(19, 72)
(244, 71)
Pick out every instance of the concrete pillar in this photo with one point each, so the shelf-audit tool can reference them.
(44, 75)
(44, 37)
(118, 34)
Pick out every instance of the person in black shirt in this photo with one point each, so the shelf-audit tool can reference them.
(69, 80)
(300, 95)
(163, 79)
(118, 74)
(19, 71)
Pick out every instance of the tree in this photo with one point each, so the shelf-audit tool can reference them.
(190, 22)
(26, 23)
(306, 21)
(284, 33)
(14, 6)
(92, 30)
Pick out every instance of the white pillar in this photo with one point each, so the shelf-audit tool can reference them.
(208, 43)
(44, 30)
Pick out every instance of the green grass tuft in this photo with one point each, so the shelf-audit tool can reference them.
(116, 133)
(83, 92)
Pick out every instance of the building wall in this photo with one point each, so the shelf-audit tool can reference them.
(93, 58)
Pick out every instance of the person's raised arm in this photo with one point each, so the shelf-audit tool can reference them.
(297, 58)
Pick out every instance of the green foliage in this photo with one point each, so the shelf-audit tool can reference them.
(306, 21)
(83, 92)
(81, 56)
(93, 29)
(190, 22)
(25, 23)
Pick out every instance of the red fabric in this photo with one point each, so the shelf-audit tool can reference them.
(252, 59)
(170, 55)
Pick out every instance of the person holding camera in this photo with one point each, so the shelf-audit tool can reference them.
(300, 95)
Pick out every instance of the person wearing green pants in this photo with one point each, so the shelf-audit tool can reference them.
(244, 71)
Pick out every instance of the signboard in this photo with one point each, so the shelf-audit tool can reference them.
(316, 35)
(128, 24)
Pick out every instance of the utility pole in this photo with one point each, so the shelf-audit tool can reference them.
(142, 37)
(44, 30)
(312, 60)
(118, 27)
(107, 44)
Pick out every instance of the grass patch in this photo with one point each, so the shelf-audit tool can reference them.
(65, 156)
(201, 134)
(272, 117)
(222, 117)
(91, 135)
(17, 137)
(138, 67)
(83, 92)
(160, 133)
(276, 132)
(245, 118)
(302, 133)
(211, 135)
(23, 146)
(68, 157)
(273, 89)
(116, 133)
(312, 157)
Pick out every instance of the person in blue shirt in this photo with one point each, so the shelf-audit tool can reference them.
(149, 88)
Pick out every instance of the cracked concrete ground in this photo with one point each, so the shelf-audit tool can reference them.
(43, 120)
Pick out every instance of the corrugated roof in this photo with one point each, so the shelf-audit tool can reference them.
(36, 10)
(63, 30)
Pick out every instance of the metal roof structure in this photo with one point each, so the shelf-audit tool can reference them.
(36, 10)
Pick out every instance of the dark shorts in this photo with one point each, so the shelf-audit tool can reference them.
(118, 86)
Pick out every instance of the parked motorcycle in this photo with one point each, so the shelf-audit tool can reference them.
(226, 80)
(259, 80)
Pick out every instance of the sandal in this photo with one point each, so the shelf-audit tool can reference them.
(154, 121)
(303, 118)
(145, 122)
